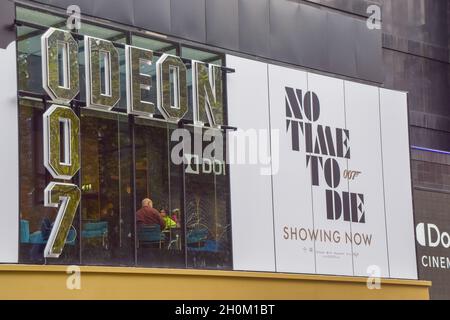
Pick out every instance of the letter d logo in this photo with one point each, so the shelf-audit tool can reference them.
(420, 234)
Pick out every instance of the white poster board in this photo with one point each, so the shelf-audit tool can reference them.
(337, 206)
(9, 160)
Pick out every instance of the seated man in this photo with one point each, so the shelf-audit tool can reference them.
(167, 220)
(147, 215)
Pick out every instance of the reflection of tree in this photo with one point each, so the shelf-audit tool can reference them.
(28, 168)
(205, 91)
(202, 213)
(22, 63)
(90, 167)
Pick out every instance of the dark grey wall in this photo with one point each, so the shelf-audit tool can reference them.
(295, 32)
(416, 59)
(7, 32)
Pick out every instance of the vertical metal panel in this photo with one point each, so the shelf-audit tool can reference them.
(330, 94)
(363, 123)
(298, 34)
(153, 15)
(351, 6)
(188, 19)
(222, 23)
(341, 45)
(285, 36)
(254, 27)
(251, 196)
(397, 184)
(292, 179)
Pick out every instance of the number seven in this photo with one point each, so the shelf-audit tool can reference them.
(67, 197)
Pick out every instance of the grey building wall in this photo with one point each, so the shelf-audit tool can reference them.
(416, 59)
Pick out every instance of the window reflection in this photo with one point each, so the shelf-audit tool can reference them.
(36, 220)
(198, 55)
(154, 45)
(160, 232)
(125, 161)
(40, 18)
(158, 47)
(207, 223)
(29, 59)
(102, 33)
(106, 206)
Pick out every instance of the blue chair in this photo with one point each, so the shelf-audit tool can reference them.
(36, 237)
(197, 237)
(24, 231)
(95, 230)
(208, 246)
(150, 234)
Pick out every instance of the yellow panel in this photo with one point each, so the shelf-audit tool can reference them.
(49, 282)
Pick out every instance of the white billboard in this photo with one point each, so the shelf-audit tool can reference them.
(340, 186)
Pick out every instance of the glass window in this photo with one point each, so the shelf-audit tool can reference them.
(125, 162)
(154, 45)
(160, 241)
(40, 18)
(102, 33)
(198, 55)
(201, 55)
(107, 218)
(35, 219)
(29, 59)
(116, 37)
(207, 190)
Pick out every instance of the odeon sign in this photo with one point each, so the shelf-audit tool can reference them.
(60, 75)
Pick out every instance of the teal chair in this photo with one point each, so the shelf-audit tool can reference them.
(150, 235)
(197, 237)
(36, 237)
(95, 230)
(24, 231)
(208, 246)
